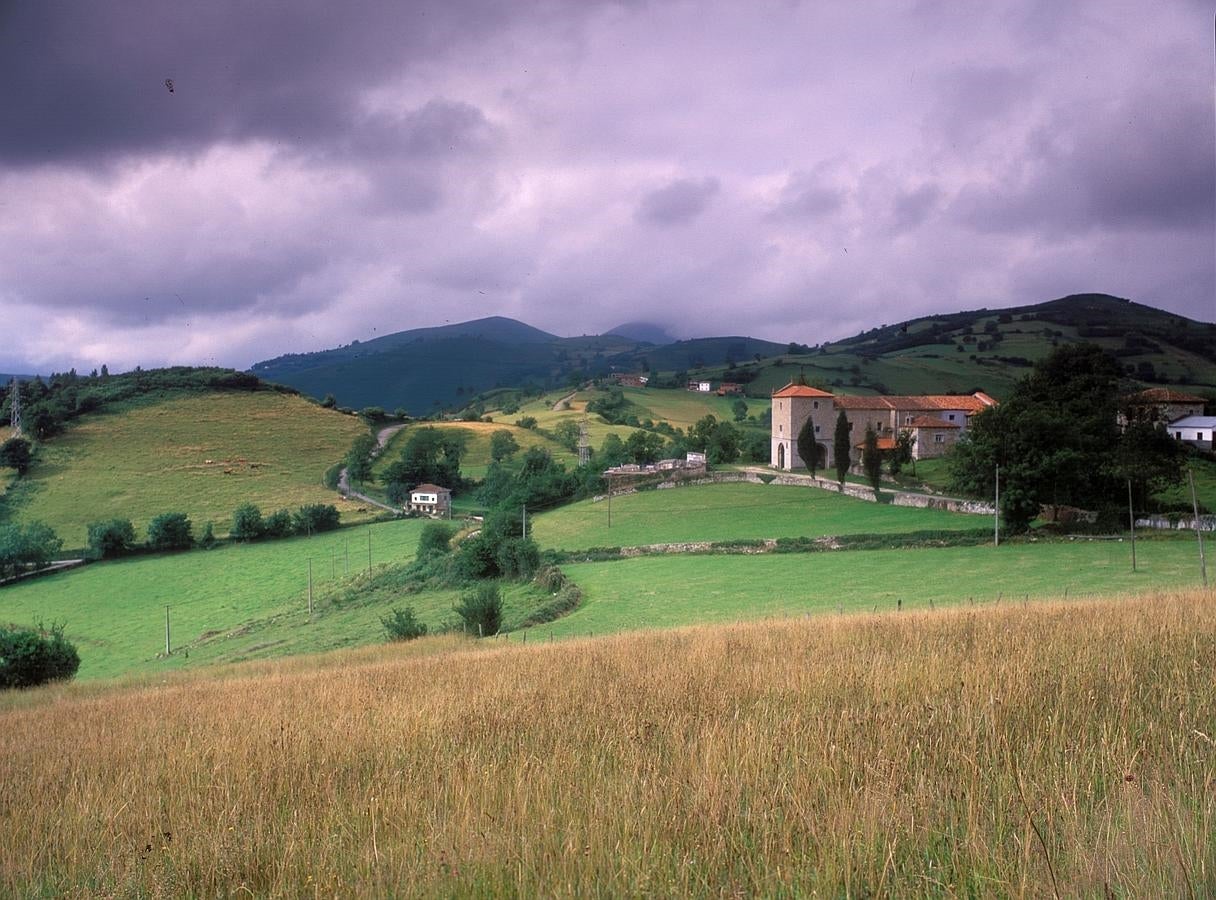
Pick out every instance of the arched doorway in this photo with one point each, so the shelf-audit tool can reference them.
(821, 456)
(781, 456)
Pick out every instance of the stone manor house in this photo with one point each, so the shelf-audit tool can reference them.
(935, 421)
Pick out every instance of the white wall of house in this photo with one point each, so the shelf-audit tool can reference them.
(1198, 431)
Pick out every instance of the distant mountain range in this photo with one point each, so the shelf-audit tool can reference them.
(426, 369)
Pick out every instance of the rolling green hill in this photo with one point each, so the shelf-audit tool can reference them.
(427, 369)
(203, 454)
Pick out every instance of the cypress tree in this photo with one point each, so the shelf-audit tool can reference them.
(806, 445)
(840, 441)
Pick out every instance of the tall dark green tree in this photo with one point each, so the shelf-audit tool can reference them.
(871, 458)
(359, 458)
(16, 454)
(806, 445)
(1057, 441)
(840, 447)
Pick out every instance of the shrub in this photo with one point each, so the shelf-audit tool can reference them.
(436, 540)
(170, 531)
(247, 524)
(528, 422)
(314, 517)
(517, 558)
(403, 625)
(110, 539)
(35, 656)
(481, 609)
(278, 524)
(207, 540)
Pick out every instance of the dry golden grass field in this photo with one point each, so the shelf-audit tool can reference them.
(1060, 748)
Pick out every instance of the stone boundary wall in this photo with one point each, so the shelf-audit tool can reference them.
(895, 498)
(1181, 523)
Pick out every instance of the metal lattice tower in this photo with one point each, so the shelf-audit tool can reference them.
(15, 409)
(584, 443)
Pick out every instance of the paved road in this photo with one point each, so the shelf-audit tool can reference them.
(383, 436)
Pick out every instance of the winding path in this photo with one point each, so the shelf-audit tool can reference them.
(383, 436)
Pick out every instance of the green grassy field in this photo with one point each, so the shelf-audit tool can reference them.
(115, 611)
(202, 455)
(720, 512)
(477, 453)
(239, 601)
(665, 591)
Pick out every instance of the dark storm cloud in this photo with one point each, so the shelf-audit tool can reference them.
(85, 80)
(1148, 162)
(679, 202)
(323, 172)
(808, 195)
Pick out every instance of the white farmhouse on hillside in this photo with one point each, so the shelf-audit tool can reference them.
(431, 500)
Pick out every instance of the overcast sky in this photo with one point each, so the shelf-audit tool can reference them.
(220, 182)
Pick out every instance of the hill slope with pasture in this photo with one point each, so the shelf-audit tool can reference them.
(203, 454)
(431, 368)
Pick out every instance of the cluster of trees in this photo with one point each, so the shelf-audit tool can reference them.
(168, 531)
(23, 547)
(429, 455)
(113, 538)
(248, 524)
(1057, 442)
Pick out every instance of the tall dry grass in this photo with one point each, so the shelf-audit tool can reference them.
(1013, 751)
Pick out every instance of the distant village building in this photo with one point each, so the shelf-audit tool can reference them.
(431, 500)
(639, 381)
(729, 387)
(1159, 405)
(1198, 431)
(934, 421)
(701, 387)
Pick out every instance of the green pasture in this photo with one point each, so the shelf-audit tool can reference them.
(203, 455)
(666, 591)
(682, 409)
(115, 611)
(721, 512)
(477, 453)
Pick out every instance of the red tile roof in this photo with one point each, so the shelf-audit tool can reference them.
(884, 443)
(800, 390)
(929, 422)
(969, 403)
(1163, 395)
(430, 489)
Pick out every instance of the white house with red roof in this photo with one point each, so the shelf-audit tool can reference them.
(431, 500)
(935, 421)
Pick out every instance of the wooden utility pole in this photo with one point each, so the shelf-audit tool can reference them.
(369, 550)
(310, 588)
(609, 501)
(1131, 521)
(168, 641)
(524, 521)
(1203, 566)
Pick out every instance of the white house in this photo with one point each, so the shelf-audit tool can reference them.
(431, 500)
(701, 387)
(1194, 430)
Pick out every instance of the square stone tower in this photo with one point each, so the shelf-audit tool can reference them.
(792, 405)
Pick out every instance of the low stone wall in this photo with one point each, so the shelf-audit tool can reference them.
(1181, 523)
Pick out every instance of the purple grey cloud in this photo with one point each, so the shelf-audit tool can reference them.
(679, 202)
(321, 173)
